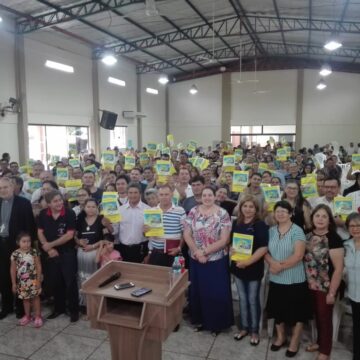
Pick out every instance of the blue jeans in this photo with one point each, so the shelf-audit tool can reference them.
(249, 301)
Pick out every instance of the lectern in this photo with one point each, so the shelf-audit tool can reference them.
(136, 326)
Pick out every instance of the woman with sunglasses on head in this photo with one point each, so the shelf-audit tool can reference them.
(324, 264)
(301, 208)
(288, 300)
(352, 264)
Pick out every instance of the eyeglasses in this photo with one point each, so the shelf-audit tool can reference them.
(357, 226)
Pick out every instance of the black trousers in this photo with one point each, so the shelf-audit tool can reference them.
(62, 280)
(7, 297)
(161, 259)
(133, 253)
(355, 306)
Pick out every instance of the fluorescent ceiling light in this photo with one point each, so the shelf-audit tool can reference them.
(321, 85)
(152, 91)
(116, 81)
(332, 45)
(163, 79)
(109, 59)
(59, 66)
(325, 70)
(193, 90)
(0, 19)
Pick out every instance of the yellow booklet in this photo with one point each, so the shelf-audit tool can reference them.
(355, 160)
(110, 209)
(240, 180)
(272, 195)
(170, 140)
(74, 163)
(163, 167)
(229, 162)
(129, 162)
(34, 184)
(108, 159)
(243, 245)
(62, 174)
(281, 154)
(154, 219)
(144, 159)
(72, 187)
(309, 188)
(343, 206)
(151, 148)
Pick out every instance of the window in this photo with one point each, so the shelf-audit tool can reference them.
(47, 142)
(118, 137)
(248, 135)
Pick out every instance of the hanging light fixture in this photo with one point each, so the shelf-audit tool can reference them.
(332, 44)
(321, 85)
(109, 59)
(163, 79)
(193, 90)
(325, 70)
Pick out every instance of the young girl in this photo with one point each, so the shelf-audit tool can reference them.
(26, 278)
(106, 253)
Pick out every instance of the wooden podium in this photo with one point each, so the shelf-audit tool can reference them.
(136, 326)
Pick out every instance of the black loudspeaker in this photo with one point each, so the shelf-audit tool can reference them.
(108, 120)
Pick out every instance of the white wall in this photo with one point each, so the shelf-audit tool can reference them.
(8, 124)
(118, 99)
(334, 113)
(56, 97)
(153, 106)
(277, 106)
(196, 117)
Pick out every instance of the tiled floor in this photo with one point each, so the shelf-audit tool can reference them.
(60, 340)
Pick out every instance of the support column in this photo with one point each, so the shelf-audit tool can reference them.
(226, 107)
(299, 108)
(95, 122)
(20, 78)
(138, 109)
(167, 113)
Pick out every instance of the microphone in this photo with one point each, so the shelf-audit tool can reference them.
(110, 279)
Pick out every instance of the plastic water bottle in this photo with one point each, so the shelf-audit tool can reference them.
(176, 266)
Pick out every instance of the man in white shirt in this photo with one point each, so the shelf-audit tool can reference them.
(332, 189)
(129, 236)
(44, 176)
(351, 149)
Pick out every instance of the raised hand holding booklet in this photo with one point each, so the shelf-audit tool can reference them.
(343, 206)
(72, 187)
(272, 195)
(154, 219)
(108, 159)
(242, 245)
(240, 180)
(309, 188)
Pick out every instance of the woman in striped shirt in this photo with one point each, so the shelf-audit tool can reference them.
(288, 301)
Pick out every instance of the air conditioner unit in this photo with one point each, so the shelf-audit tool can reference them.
(130, 115)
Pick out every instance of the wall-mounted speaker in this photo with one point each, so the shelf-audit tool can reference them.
(108, 120)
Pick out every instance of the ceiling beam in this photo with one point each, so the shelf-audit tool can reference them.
(310, 19)
(77, 11)
(241, 13)
(266, 64)
(229, 27)
(108, 33)
(197, 11)
(249, 50)
(280, 24)
(147, 31)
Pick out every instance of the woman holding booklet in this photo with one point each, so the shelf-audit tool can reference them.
(288, 300)
(206, 232)
(250, 237)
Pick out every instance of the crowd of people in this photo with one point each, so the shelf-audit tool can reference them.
(50, 243)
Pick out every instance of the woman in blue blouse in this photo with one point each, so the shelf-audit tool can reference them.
(289, 300)
(352, 264)
(249, 272)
